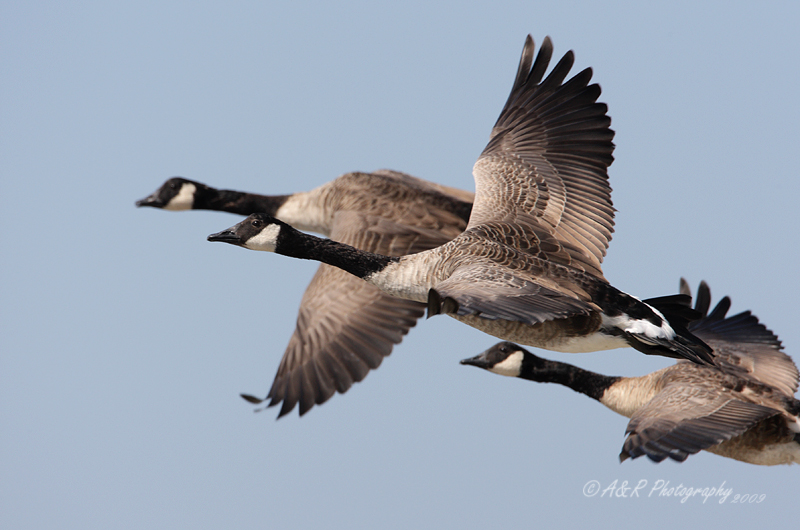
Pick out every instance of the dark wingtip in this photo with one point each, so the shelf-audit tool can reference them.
(684, 287)
(286, 408)
(701, 353)
(529, 41)
(720, 310)
(703, 301)
(252, 399)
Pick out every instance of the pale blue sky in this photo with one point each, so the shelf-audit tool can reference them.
(126, 337)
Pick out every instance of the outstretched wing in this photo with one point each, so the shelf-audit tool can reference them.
(345, 326)
(685, 418)
(742, 345)
(545, 168)
(698, 409)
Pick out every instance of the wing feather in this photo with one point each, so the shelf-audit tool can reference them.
(345, 326)
(545, 167)
(743, 346)
(684, 419)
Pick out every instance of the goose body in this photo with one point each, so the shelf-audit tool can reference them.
(528, 266)
(389, 194)
(345, 327)
(743, 407)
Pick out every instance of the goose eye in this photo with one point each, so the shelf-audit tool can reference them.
(173, 185)
(256, 223)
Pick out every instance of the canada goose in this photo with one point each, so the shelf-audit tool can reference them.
(528, 266)
(741, 408)
(344, 326)
(392, 194)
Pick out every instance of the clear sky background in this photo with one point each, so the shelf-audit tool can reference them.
(126, 337)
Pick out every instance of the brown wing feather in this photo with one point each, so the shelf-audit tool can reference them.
(743, 346)
(687, 417)
(545, 167)
(456, 193)
(345, 326)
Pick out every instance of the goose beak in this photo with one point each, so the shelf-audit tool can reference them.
(150, 200)
(227, 236)
(478, 360)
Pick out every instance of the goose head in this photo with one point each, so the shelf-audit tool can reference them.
(258, 231)
(175, 194)
(505, 358)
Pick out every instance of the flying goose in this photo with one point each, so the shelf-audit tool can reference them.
(394, 195)
(344, 326)
(743, 407)
(528, 266)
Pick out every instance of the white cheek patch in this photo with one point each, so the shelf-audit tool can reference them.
(184, 199)
(265, 240)
(511, 366)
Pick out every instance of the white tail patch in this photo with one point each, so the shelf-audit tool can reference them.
(184, 199)
(638, 326)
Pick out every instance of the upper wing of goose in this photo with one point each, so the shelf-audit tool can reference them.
(400, 198)
(461, 195)
(545, 167)
(345, 326)
(742, 345)
(687, 417)
(757, 355)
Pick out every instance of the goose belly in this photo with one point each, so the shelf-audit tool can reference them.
(576, 335)
(763, 455)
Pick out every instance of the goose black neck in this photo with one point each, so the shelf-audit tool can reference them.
(237, 202)
(545, 371)
(360, 263)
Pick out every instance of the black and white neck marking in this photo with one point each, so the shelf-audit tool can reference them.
(175, 194)
(179, 194)
(509, 359)
(263, 232)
